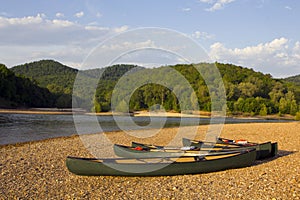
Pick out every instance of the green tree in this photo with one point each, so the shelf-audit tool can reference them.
(293, 107)
(283, 106)
(263, 111)
(247, 89)
(297, 117)
(277, 92)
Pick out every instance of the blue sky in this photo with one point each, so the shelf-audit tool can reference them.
(259, 34)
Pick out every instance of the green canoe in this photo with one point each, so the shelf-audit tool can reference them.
(264, 150)
(159, 166)
(203, 145)
(142, 151)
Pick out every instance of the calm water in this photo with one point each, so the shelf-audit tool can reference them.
(16, 128)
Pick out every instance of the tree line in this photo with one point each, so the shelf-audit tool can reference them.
(247, 91)
(16, 91)
(48, 83)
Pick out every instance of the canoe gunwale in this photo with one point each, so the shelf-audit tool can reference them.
(129, 152)
(264, 150)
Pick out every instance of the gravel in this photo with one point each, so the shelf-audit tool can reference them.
(37, 170)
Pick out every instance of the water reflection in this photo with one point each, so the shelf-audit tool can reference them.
(16, 128)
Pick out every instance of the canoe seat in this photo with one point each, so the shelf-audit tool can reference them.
(199, 158)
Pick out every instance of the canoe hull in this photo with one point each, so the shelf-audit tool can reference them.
(94, 167)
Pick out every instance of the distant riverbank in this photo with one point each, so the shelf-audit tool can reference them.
(45, 111)
(202, 114)
(64, 111)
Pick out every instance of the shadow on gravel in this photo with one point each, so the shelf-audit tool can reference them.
(281, 153)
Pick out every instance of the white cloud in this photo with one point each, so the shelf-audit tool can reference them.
(207, 1)
(59, 15)
(96, 28)
(61, 23)
(216, 4)
(38, 30)
(186, 9)
(280, 56)
(21, 21)
(288, 7)
(79, 14)
(121, 29)
(202, 35)
(31, 21)
(297, 46)
(37, 37)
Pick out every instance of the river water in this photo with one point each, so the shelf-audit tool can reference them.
(16, 128)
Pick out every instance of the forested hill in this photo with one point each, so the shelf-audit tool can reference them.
(58, 78)
(247, 91)
(43, 68)
(293, 79)
(21, 92)
(112, 73)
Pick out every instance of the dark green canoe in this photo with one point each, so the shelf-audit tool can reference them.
(203, 145)
(264, 150)
(158, 166)
(219, 141)
(145, 152)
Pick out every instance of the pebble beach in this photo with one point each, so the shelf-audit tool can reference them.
(37, 170)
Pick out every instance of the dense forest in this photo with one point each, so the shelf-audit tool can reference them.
(294, 79)
(16, 91)
(247, 91)
(47, 83)
(54, 76)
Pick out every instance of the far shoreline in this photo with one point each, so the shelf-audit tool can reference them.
(70, 111)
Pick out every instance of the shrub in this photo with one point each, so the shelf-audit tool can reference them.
(263, 111)
(297, 117)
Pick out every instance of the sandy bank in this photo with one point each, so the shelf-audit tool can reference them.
(37, 170)
(69, 111)
(37, 111)
(202, 114)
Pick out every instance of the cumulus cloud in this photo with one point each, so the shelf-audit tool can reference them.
(38, 30)
(59, 15)
(29, 21)
(38, 37)
(121, 29)
(216, 4)
(79, 14)
(279, 56)
(21, 21)
(202, 35)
